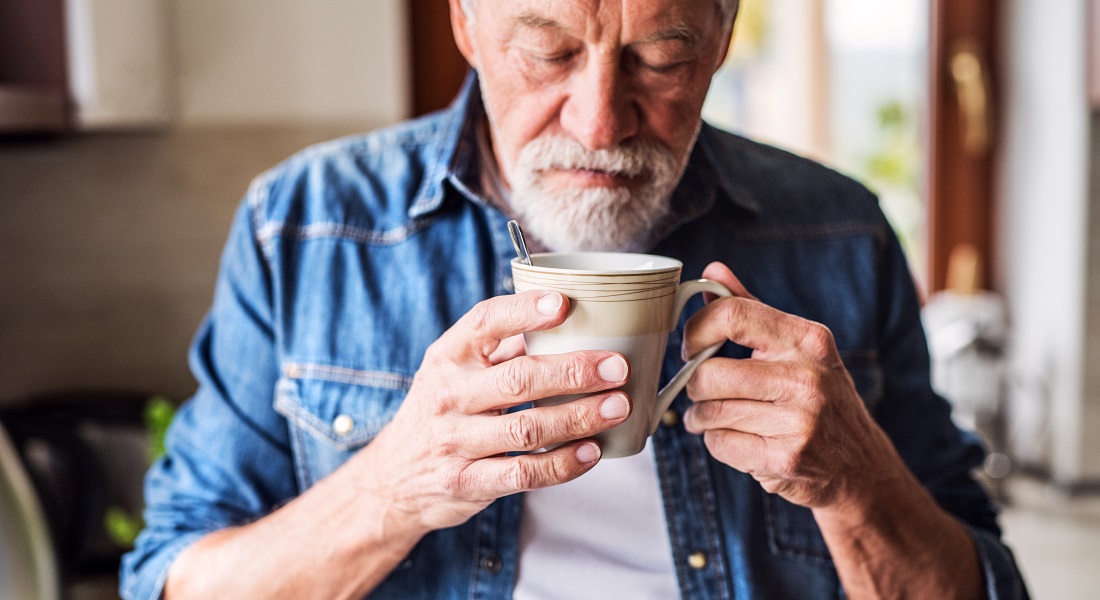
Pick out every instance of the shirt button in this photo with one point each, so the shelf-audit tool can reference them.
(697, 560)
(491, 563)
(343, 425)
(508, 284)
(670, 418)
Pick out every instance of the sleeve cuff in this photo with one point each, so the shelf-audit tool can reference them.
(1001, 576)
(143, 578)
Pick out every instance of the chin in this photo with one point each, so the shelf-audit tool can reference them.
(574, 199)
(591, 219)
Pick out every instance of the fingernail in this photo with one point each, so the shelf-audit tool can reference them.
(613, 369)
(615, 406)
(550, 303)
(587, 453)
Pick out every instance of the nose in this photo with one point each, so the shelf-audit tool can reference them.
(600, 111)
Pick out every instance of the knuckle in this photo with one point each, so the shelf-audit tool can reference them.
(479, 316)
(522, 474)
(703, 412)
(817, 340)
(522, 432)
(577, 419)
(772, 486)
(513, 381)
(453, 482)
(441, 402)
(807, 382)
(574, 374)
(693, 386)
(434, 356)
(713, 442)
(702, 380)
(730, 311)
(790, 464)
(805, 423)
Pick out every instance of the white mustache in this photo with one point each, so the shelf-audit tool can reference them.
(631, 159)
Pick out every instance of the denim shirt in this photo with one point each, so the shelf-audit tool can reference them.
(348, 260)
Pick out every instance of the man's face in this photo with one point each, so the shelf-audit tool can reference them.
(592, 103)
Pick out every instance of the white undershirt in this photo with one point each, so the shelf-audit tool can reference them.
(602, 535)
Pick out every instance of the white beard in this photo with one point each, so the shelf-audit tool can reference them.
(618, 219)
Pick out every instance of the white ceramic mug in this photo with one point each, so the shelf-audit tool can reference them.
(626, 303)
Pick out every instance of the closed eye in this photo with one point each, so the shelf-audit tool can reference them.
(637, 63)
(562, 57)
(666, 68)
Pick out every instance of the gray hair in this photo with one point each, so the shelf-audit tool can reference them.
(728, 8)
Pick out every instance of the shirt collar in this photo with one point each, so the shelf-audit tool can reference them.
(457, 162)
(456, 157)
(710, 166)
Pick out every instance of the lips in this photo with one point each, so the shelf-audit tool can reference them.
(589, 177)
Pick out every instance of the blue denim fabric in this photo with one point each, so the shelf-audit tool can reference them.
(348, 260)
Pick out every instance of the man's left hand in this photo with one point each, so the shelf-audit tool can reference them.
(790, 415)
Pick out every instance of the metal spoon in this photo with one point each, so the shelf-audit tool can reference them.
(518, 243)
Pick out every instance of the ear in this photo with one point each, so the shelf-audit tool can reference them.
(727, 42)
(725, 52)
(463, 33)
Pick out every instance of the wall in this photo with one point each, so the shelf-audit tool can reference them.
(119, 71)
(1044, 241)
(109, 241)
(291, 60)
(110, 246)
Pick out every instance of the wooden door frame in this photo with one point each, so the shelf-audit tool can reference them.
(34, 79)
(437, 68)
(959, 181)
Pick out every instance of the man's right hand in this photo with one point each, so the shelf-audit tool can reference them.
(444, 458)
(441, 460)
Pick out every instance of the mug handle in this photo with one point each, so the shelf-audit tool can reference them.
(678, 381)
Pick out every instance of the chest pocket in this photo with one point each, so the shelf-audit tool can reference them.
(792, 531)
(332, 412)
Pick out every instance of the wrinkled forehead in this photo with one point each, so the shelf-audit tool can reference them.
(626, 19)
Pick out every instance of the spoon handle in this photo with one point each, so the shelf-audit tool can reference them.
(517, 241)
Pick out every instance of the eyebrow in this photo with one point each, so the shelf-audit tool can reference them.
(677, 33)
(536, 21)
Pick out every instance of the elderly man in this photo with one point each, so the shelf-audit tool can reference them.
(354, 431)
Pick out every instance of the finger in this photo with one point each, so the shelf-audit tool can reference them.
(750, 378)
(508, 349)
(545, 426)
(719, 272)
(528, 378)
(765, 419)
(769, 332)
(479, 332)
(746, 452)
(504, 475)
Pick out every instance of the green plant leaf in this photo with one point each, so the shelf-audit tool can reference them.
(122, 528)
(159, 412)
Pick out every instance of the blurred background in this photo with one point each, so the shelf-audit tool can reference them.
(129, 130)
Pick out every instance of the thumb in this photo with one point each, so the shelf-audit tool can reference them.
(719, 272)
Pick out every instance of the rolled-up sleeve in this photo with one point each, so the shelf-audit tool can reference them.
(918, 421)
(228, 459)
